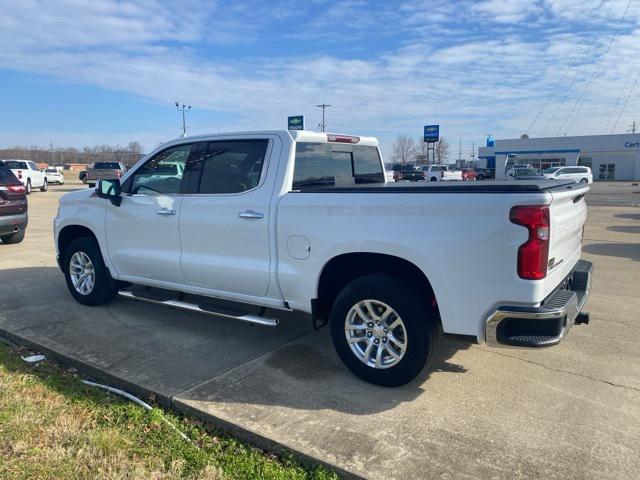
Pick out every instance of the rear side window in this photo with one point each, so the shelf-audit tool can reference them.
(106, 166)
(7, 176)
(232, 166)
(328, 164)
(16, 165)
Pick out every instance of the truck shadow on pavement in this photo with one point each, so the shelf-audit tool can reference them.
(622, 250)
(173, 353)
(628, 216)
(624, 228)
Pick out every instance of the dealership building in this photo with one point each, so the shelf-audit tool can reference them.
(610, 157)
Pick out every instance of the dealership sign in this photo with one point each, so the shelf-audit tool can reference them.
(631, 144)
(431, 133)
(295, 123)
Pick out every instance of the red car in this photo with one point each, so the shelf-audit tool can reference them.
(469, 174)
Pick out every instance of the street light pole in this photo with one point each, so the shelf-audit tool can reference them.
(184, 108)
(323, 106)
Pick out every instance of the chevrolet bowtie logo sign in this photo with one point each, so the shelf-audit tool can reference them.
(295, 122)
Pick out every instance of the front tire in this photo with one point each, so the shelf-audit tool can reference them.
(383, 329)
(43, 188)
(584, 180)
(88, 279)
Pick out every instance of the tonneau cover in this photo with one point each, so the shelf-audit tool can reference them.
(484, 186)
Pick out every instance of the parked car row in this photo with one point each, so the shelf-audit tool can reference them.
(13, 207)
(577, 174)
(30, 176)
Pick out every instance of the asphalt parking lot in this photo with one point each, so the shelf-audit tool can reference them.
(572, 411)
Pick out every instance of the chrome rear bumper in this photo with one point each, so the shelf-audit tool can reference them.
(548, 324)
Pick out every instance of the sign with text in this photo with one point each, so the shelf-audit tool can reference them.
(295, 122)
(431, 133)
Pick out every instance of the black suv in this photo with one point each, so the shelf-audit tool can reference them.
(13, 207)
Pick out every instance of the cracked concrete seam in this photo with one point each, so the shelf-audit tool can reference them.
(607, 382)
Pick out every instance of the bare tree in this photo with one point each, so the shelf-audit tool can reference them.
(421, 151)
(403, 149)
(442, 151)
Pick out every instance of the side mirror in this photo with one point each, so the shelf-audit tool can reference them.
(111, 190)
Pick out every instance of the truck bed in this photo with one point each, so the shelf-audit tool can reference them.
(485, 186)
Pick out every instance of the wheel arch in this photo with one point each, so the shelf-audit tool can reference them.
(344, 268)
(68, 234)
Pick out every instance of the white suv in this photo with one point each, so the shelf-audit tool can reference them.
(577, 174)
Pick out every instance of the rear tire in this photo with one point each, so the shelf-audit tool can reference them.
(43, 188)
(27, 188)
(13, 238)
(101, 287)
(433, 179)
(584, 180)
(414, 340)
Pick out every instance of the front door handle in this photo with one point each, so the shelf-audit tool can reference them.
(251, 214)
(166, 211)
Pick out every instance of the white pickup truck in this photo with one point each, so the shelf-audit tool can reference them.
(306, 221)
(28, 173)
(437, 173)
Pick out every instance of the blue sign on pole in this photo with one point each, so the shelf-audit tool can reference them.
(431, 133)
(295, 122)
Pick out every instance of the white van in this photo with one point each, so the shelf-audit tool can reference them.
(577, 174)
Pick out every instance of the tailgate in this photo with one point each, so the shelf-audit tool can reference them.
(568, 212)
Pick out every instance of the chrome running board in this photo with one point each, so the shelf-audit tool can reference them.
(192, 307)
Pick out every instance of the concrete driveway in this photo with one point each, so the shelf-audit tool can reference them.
(572, 411)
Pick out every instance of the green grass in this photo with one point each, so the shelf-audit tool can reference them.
(53, 426)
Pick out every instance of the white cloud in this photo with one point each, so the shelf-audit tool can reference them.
(470, 83)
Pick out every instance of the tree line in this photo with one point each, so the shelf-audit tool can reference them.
(128, 154)
(406, 150)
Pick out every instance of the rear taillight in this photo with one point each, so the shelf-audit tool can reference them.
(16, 188)
(533, 255)
(424, 175)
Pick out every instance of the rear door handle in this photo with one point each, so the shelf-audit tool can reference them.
(251, 214)
(166, 211)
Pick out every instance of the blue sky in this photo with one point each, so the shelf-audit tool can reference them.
(107, 72)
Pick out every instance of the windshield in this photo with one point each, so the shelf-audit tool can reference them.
(551, 170)
(15, 165)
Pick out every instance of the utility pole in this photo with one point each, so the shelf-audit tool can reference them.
(53, 162)
(459, 151)
(184, 108)
(323, 125)
(633, 128)
(473, 152)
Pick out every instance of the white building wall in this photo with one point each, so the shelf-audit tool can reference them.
(621, 151)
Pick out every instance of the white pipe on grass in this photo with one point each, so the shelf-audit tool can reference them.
(136, 400)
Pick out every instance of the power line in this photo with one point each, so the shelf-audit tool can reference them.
(623, 89)
(626, 101)
(579, 52)
(597, 35)
(575, 111)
